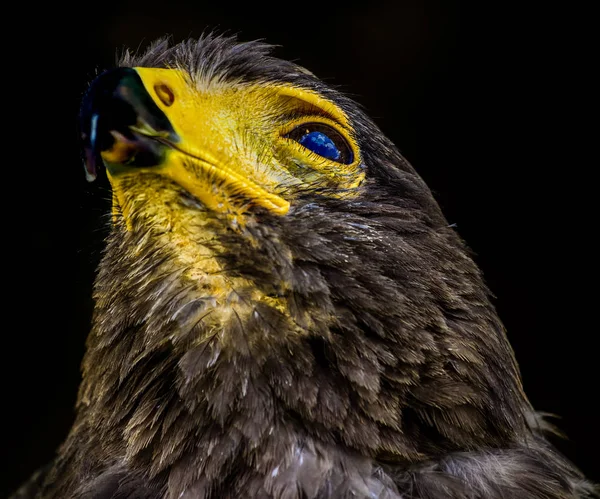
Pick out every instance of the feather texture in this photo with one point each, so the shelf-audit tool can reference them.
(387, 375)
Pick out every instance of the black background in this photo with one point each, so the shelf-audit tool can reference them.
(486, 100)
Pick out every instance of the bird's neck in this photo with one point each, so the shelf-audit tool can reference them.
(174, 364)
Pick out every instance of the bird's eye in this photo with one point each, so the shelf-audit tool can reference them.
(323, 140)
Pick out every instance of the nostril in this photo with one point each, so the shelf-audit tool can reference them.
(165, 94)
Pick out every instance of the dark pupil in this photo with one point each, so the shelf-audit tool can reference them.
(321, 144)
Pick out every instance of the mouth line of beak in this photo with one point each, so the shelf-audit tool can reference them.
(199, 168)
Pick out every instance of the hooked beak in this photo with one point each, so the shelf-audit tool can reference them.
(120, 124)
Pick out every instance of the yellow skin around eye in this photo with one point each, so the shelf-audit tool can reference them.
(233, 153)
(344, 176)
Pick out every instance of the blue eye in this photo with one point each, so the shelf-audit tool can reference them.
(323, 140)
(319, 143)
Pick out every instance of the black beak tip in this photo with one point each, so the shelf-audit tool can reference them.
(116, 101)
(89, 165)
(96, 100)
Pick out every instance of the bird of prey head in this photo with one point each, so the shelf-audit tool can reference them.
(282, 311)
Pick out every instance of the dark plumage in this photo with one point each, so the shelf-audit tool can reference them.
(388, 375)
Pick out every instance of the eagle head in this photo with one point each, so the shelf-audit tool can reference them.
(281, 309)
